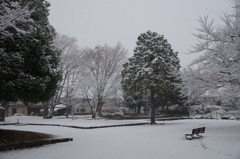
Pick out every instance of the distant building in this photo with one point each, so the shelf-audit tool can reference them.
(20, 108)
(81, 106)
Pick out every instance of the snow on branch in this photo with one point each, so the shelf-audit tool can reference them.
(10, 16)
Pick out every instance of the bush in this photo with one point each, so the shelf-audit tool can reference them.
(112, 111)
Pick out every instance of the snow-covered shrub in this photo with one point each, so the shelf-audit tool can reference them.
(178, 110)
(214, 111)
(111, 111)
(124, 110)
(174, 110)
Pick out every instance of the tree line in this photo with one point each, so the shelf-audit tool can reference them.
(39, 65)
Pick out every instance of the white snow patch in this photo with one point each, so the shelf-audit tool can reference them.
(221, 139)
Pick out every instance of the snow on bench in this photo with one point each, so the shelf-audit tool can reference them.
(195, 133)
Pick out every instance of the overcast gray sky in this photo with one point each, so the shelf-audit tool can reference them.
(99, 22)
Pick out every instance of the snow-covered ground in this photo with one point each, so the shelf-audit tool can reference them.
(220, 141)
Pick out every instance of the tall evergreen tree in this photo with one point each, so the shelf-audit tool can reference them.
(153, 67)
(29, 63)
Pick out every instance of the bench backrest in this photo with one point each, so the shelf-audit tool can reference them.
(195, 131)
(198, 130)
(202, 129)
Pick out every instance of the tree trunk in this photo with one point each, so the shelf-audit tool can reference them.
(2, 112)
(202, 107)
(153, 108)
(2, 116)
(162, 109)
(93, 116)
(52, 110)
(6, 106)
(94, 112)
(67, 112)
(100, 111)
(99, 106)
(45, 110)
(139, 109)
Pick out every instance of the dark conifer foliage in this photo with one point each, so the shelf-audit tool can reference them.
(29, 63)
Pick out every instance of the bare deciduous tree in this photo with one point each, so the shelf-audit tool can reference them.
(195, 84)
(219, 67)
(70, 63)
(102, 70)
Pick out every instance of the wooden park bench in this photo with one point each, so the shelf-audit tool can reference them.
(195, 133)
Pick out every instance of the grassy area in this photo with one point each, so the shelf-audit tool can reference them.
(15, 137)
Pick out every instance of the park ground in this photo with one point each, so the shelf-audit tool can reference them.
(165, 140)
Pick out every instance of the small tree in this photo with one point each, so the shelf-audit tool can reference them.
(153, 67)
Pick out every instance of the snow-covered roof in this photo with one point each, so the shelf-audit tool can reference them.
(60, 106)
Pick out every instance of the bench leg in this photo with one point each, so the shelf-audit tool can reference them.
(199, 136)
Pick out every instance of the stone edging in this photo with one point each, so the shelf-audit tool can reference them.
(90, 127)
(31, 144)
(77, 127)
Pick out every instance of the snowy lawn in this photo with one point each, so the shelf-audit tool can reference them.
(221, 140)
